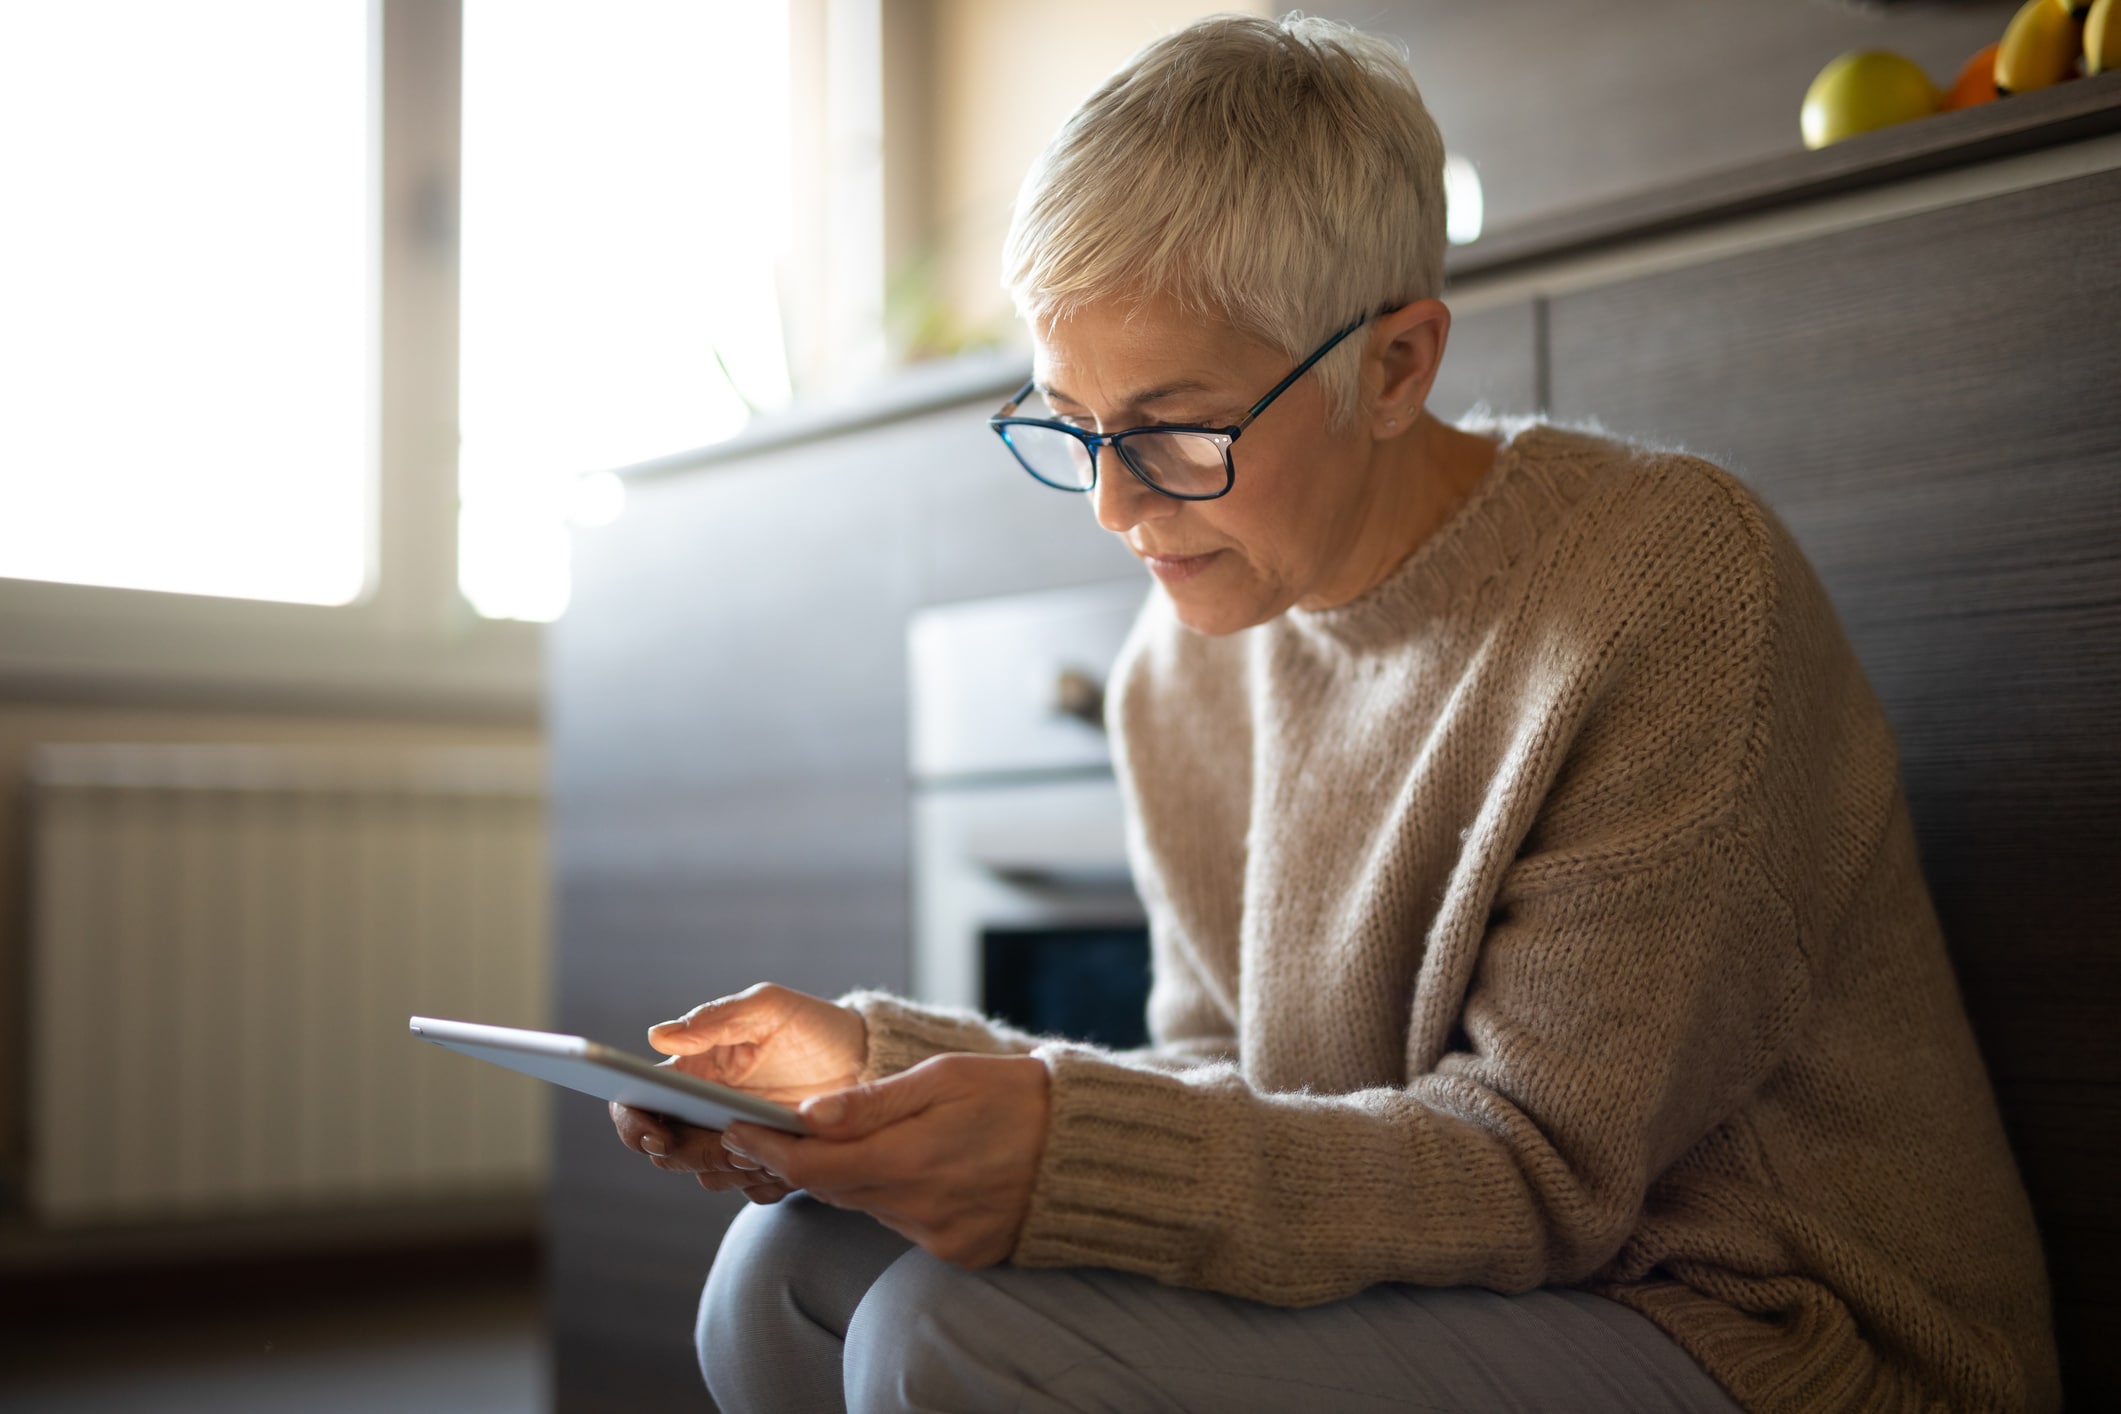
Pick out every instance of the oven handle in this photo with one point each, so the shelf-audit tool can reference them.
(1078, 877)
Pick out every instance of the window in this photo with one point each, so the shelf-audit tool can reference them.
(626, 201)
(185, 296)
(249, 242)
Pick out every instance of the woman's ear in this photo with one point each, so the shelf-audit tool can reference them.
(1406, 349)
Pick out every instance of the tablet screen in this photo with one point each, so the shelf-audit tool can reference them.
(582, 1064)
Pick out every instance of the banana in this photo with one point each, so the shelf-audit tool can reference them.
(2102, 37)
(2040, 47)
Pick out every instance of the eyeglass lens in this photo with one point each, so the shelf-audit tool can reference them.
(1184, 463)
(1053, 457)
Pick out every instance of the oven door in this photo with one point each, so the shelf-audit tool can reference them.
(1024, 908)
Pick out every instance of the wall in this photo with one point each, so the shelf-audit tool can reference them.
(1004, 77)
(1557, 102)
(1563, 102)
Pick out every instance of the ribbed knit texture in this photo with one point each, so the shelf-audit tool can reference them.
(1550, 915)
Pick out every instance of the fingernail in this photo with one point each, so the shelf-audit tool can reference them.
(743, 1161)
(654, 1145)
(827, 1110)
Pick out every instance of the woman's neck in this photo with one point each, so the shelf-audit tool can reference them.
(1421, 477)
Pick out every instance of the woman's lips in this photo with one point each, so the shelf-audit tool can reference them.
(1175, 569)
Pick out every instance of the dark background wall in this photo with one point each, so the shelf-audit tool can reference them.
(728, 719)
(1563, 102)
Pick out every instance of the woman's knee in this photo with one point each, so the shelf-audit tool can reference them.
(758, 1253)
(931, 1335)
(891, 1342)
(765, 1260)
(782, 1290)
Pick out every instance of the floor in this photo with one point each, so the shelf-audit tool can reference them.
(458, 1347)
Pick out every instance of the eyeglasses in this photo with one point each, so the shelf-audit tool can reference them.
(1187, 463)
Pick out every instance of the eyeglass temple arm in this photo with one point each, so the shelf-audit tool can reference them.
(1300, 370)
(1009, 408)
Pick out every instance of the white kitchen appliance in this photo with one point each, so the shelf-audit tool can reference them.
(1023, 904)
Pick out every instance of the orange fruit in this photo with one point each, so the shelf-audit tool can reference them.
(1976, 83)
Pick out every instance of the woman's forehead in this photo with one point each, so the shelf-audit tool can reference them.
(1137, 355)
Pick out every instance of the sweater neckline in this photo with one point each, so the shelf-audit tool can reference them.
(1480, 537)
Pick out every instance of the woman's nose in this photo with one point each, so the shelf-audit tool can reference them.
(1121, 500)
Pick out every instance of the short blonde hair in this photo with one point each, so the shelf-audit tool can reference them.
(1283, 177)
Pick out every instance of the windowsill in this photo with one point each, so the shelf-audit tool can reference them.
(84, 643)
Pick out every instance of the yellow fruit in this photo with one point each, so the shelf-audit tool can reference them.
(1864, 90)
(2102, 37)
(2039, 49)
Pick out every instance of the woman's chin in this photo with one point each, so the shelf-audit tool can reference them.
(1210, 613)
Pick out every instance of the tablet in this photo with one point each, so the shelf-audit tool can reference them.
(581, 1064)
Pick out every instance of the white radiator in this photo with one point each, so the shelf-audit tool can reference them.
(225, 943)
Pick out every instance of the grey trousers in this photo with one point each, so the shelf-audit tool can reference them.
(811, 1308)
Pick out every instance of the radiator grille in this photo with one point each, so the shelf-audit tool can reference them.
(225, 945)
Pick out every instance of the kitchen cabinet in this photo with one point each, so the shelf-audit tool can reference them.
(727, 729)
(727, 709)
(1491, 359)
(982, 527)
(1564, 103)
(1932, 404)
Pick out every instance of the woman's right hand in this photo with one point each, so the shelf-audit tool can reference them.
(768, 1040)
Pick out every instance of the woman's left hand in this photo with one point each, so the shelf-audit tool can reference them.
(944, 1154)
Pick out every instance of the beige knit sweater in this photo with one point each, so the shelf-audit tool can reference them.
(1550, 915)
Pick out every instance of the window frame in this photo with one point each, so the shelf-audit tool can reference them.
(412, 641)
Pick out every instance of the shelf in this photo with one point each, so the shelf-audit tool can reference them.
(2068, 112)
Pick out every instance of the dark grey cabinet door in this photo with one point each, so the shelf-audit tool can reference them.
(727, 709)
(1933, 406)
(1630, 96)
(1491, 359)
(983, 527)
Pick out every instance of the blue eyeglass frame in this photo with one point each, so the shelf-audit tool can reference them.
(1003, 420)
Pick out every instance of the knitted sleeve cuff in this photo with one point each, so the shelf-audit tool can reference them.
(1122, 1176)
(902, 1034)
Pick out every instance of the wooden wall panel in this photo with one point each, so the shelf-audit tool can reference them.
(727, 709)
(1491, 358)
(728, 728)
(984, 527)
(1560, 103)
(1933, 406)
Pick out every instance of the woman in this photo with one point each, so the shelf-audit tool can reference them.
(1548, 1011)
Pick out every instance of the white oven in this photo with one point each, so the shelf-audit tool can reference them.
(1023, 906)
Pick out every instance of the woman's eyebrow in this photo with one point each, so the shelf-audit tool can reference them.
(1160, 393)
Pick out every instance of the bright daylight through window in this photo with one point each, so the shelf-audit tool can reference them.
(625, 199)
(185, 298)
